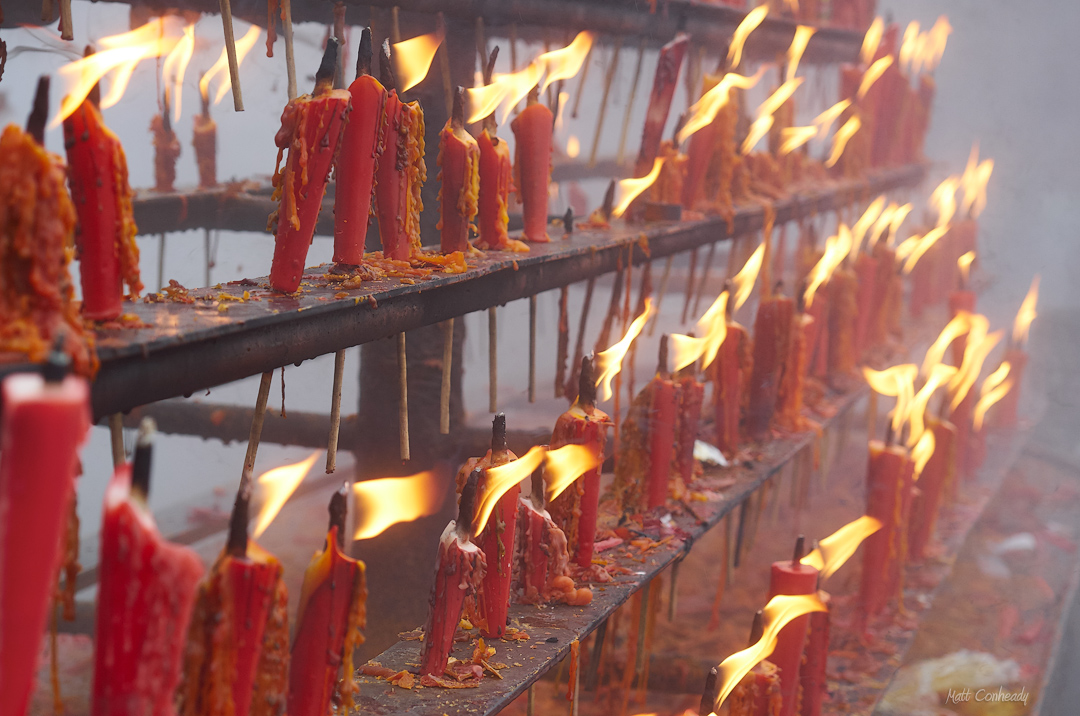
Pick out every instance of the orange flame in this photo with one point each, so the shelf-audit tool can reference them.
(933, 47)
(743, 282)
(712, 329)
(562, 466)
(895, 220)
(795, 137)
(704, 111)
(860, 227)
(413, 58)
(573, 147)
(973, 182)
(390, 500)
(833, 551)
(836, 248)
(840, 139)
(124, 50)
(913, 248)
(922, 451)
(564, 63)
(803, 33)
(873, 74)
(944, 199)
(1026, 314)
(765, 112)
(964, 262)
(871, 41)
(778, 612)
(629, 189)
(994, 388)
(898, 382)
(609, 362)
(221, 67)
(910, 46)
(276, 487)
(499, 480)
(958, 326)
(738, 39)
(939, 375)
(825, 120)
(174, 67)
(979, 345)
(506, 90)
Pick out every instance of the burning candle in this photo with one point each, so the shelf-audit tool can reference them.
(459, 572)
(575, 510)
(166, 149)
(691, 396)
(843, 309)
(791, 577)
(361, 147)
(459, 164)
(402, 172)
(106, 231)
(1016, 355)
(543, 562)
(146, 593)
(311, 128)
(329, 620)
(532, 164)
(699, 153)
(45, 421)
(729, 372)
(813, 680)
(772, 343)
(938, 475)
(495, 173)
(238, 645)
(758, 693)
(884, 483)
(665, 81)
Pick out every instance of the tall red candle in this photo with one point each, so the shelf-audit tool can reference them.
(729, 371)
(813, 677)
(361, 147)
(329, 620)
(884, 483)
(666, 79)
(789, 398)
(459, 571)
(204, 142)
(866, 268)
(146, 592)
(938, 474)
(691, 395)
(532, 165)
(1005, 412)
(662, 419)
(791, 577)
(311, 129)
(495, 173)
(45, 421)
(843, 309)
(772, 340)
(459, 164)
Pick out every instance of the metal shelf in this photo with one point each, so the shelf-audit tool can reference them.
(191, 347)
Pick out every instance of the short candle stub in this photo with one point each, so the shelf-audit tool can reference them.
(498, 434)
(339, 509)
(386, 68)
(587, 382)
(328, 66)
(757, 629)
(58, 363)
(236, 545)
(364, 53)
(708, 695)
(467, 503)
(140, 462)
(800, 551)
(39, 114)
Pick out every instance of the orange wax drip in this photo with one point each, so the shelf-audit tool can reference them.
(789, 398)
(204, 140)
(495, 173)
(459, 163)
(866, 274)
(772, 338)
(532, 167)
(361, 147)
(399, 177)
(575, 510)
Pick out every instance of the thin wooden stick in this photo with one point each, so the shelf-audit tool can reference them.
(481, 44)
(608, 79)
(206, 248)
(530, 702)
(447, 364)
(65, 21)
(444, 65)
(335, 412)
(562, 341)
(290, 59)
(579, 343)
(704, 277)
(581, 82)
(395, 26)
(660, 294)
(532, 349)
(257, 423)
(689, 285)
(403, 398)
(513, 68)
(673, 593)
(621, 154)
(493, 362)
(230, 50)
(116, 439)
(161, 263)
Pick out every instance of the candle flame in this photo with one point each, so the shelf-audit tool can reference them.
(939, 375)
(964, 263)
(562, 466)
(573, 147)
(873, 74)
(704, 111)
(979, 345)
(891, 218)
(629, 189)
(933, 48)
(506, 90)
(780, 610)
(738, 39)
(803, 33)
(897, 219)
(910, 46)
(390, 500)
(825, 120)
(871, 41)
(897, 382)
(833, 551)
(221, 66)
(1026, 314)
(840, 139)
(973, 182)
(944, 199)
(175, 66)
(958, 326)
(994, 388)
(123, 52)
(276, 487)
(413, 58)
(609, 362)
(860, 227)
(500, 480)
(765, 112)
(565, 63)
(743, 282)
(712, 329)
(922, 451)
(913, 248)
(794, 137)
(836, 248)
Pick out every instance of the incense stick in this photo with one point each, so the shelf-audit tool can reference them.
(493, 361)
(704, 277)
(116, 439)
(581, 82)
(562, 342)
(403, 398)
(447, 364)
(444, 65)
(290, 59)
(660, 293)
(161, 255)
(335, 412)
(608, 79)
(579, 342)
(257, 423)
(689, 285)
(621, 154)
(230, 51)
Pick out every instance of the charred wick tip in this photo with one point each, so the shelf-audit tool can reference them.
(467, 503)
(339, 509)
(609, 200)
(587, 381)
(708, 695)
(568, 220)
(39, 114)
(328, 66)
(757, 629)
(534, 96)
(166, 123)
(662, 362)
(498, 433)
(236, 545)
(489, 69)
(364, 53)
(800, 550)
(537, 485)
(457, 116)
(386, 68)
(140, 463)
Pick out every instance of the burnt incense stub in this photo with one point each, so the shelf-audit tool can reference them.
(39, 114)
(364, 53)
(236, 545)
(328, 66)
(587, 381)
(140, 462)
(800, 550)
(467, 503)
(386, 68)
(757, 629)
(498, 434)
(709, 694)
(339, 509)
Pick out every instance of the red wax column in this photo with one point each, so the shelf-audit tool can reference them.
(772, 338)
(691, 396)
(354, 173)
(866, 268)
(812, 673)
(960, 299)
(907, 494)
(459, 571)
(962, 418)
(44, 424)
(884, 482)
(791, 577)
(758, 694)
(575, 510)
(669, 63)
(166, 150)
(459, 163)
(882, 305)
(146, 592)
(662, 419)
(937, 475)
(817, 333)
(843, 308)
(533, 560)
(532, 165)
(204, 140)
(399, 178)
(329, 620)
(1005, 412)
(105, 240)
(728, 370)
(789, 399)
(495, 171)
(699, 153)
(311, 129)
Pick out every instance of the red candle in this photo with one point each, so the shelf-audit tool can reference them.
(962, 417)
(729, 371)
(699, 156)
(662, 418)
(665, 80)
(495, 172)
(146, 592)
(817, 334)
(459, 163)
(938, 474)
(923, 276)
(791, 577)
(772, 338)
(45, 421)
(758, 694)
(166, 150)
(106, 232)
(532, 165)
(332, 612)
(204, 140)
(1005, 412)
(843, 308)
(884, 482)
(542, 559)
(789, 398)
(311, 129)
(691, 395)
(459, 571)
(575, 510)
(361, 147)
(813, 678)
(866, 268)
(906, 497)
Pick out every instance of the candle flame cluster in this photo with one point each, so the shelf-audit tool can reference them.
(175, 66)
(630, 189)
(764, 120)
(922, 51)
(835, 550)
(609, 362)
(738, 40)
(973, 183)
